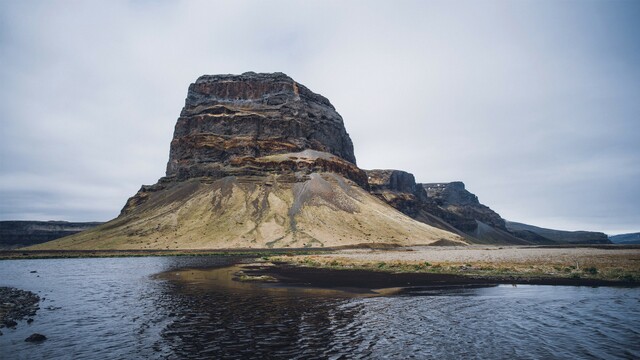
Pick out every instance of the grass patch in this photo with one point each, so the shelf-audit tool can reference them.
(546, 268)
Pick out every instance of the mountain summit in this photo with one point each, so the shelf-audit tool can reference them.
(256, 161)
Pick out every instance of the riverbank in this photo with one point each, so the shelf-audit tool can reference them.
(63, 254)
(590, 265)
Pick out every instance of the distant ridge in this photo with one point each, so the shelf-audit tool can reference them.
(631, 238)
(561, 236)
(19, 233)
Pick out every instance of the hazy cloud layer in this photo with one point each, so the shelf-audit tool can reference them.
(534, 105)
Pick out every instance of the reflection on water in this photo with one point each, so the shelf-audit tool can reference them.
(218, 317)
(121, 308)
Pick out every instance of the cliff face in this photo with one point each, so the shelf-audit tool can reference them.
(232, 124)
(448, 206)
(454, 198)
(15, 234)
(399, 189)
(256, 161)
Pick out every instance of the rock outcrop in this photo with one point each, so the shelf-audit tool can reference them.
(233, 125)
(454, 198)
(257, 161)
(448, 206)
(15, 234)
(466, 213)
(451, 207)
(399, 189)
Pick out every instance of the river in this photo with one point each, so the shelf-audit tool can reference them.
(119, 308)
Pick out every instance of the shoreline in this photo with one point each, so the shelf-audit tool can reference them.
(21, 254)
(584, 265)
(589, 266)
(357, 280)
(271, 276)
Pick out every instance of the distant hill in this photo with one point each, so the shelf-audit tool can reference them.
(558, 236)
(632, 238)
(16, 234)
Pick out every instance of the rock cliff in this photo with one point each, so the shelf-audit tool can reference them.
(451, 207)
(399, 189)
(257, 161)
(448, 206)
(233, 125)
(454, 198)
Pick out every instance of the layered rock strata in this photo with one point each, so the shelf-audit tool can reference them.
(232, 124)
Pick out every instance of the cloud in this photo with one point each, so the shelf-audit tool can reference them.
(532, 104)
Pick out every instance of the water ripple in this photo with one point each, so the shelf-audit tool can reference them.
(116, 309)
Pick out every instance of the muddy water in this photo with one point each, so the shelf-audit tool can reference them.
(181, 307)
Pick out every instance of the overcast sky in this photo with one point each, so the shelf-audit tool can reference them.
(534, 105)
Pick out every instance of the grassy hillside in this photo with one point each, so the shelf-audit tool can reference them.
(256, 212)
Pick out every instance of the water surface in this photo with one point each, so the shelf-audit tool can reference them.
(121, 308)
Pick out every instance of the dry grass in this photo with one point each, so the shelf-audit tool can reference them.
(623, 265)
(324, 211)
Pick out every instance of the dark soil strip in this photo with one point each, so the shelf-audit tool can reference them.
(366, 280)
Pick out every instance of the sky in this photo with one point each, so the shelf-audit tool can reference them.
(534, 105)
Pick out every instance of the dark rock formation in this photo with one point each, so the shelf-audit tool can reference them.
(15, 234)
(448, 206)
(399, 189)
(454, 198)
(228, 121)
(560, 236)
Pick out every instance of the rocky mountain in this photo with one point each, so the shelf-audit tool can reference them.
(256, 161)
(15, 234)
(448, 206)
(399, 189)
(473, 218)
(559, 236)
(632, 238)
